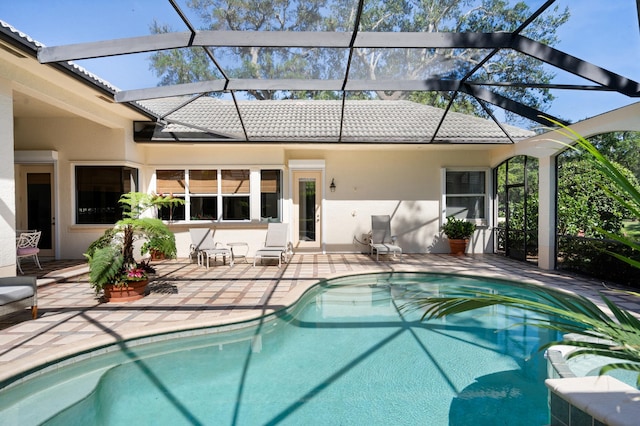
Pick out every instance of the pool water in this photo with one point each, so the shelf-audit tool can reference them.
(346, 354)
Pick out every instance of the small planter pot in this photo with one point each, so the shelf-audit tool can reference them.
(133, 290)
(458, 247)
(157, 255)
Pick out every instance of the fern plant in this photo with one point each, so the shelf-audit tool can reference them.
(111, 255)
(105, 266)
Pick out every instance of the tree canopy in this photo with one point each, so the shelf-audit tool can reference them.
(584, 205)
(190, 65)
(620, 147)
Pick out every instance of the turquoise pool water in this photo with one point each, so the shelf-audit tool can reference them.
(346, 354)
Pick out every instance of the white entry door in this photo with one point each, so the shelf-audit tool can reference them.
(35, 201)
(307, 210)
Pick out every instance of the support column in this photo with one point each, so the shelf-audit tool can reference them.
(8, 187)
(547, 213)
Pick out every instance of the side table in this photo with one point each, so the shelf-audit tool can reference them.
(239, 250)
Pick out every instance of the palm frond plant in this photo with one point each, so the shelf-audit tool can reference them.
(615, 336)
(111, 258)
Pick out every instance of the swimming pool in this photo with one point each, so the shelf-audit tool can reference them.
(345, 354)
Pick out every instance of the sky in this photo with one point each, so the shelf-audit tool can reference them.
(605, 33)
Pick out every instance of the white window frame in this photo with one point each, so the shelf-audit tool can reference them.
(257, 175)
(254, 190)
(188, 195)
(222, 196)
(487, 194)
(74, 204)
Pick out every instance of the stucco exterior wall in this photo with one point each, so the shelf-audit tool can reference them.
(7, 184)
(403, 183)
(77, 141)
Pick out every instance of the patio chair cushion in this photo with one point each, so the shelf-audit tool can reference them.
(17, 293)
(13, 293)
(27, 251)
(270, 252)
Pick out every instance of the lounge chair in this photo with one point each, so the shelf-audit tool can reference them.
(27, 246)
(276, 245)
(204, 247)
(381, 239)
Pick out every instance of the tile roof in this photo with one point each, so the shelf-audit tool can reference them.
(365, 121)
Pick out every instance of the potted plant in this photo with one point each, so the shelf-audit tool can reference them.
(458, 231)
(160, 247)
(112, 266)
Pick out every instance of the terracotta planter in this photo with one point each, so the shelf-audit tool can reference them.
(157, 255)
(134, 290)
(458, 247)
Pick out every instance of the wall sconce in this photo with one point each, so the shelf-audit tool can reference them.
(332, 187)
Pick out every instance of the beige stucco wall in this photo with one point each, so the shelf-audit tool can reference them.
(77, 141)
(404, 183)
(7, 184)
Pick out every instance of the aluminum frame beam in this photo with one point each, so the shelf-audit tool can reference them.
(508, 104)
(275, 39)
(343, 40)
(322, 85)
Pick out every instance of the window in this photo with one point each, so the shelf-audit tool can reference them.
(235, 195)
(203, 190)
(465, 194)
(270, 195)
(171, 182)
(98, 189)
(215, 194)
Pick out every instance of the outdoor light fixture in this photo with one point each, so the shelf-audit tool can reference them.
(332, 187)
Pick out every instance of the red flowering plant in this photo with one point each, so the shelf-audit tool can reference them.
(135, 273)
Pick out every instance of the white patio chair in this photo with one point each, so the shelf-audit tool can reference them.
(276, 245)
(27, 246)
(203, 245)
(381, 239)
